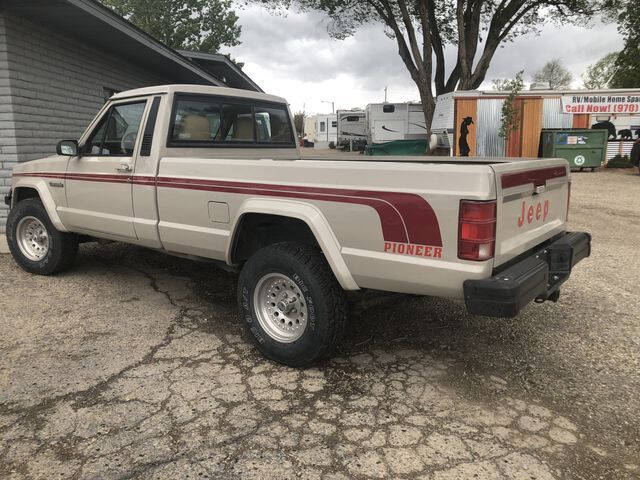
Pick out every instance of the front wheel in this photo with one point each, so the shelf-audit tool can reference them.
(291, 303)
(34, 242)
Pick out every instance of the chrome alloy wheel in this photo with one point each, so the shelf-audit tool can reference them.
(32, 238)
(280, 307)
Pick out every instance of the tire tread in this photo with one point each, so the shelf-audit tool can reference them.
(330, 290)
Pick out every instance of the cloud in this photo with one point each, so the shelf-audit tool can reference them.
(294, 57)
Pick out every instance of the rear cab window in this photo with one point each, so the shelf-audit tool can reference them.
(211, 121)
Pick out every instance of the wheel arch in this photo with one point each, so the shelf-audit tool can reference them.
(294, 214)
(36, 188)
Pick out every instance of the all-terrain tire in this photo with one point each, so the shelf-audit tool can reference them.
(316, 285)
(62, 247)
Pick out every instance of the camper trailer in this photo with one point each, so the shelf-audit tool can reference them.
(395, 121)
(472, 119)
(326, 131)
(352, 129)
(309, 133)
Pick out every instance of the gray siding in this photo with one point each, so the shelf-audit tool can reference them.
(51, 86)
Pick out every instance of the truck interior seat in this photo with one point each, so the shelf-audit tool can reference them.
(195, 127)
(243, 129)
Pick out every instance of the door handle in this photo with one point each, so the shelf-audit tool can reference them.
(124, 168)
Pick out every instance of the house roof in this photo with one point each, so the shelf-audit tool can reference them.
(223, 67)
(92, 22)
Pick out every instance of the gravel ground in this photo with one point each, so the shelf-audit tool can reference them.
(133, 365)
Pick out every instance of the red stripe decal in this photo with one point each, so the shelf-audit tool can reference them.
(537, 177)
(404, 217)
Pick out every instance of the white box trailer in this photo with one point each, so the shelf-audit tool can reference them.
(352, 128)
(395, 121)
(326, 130)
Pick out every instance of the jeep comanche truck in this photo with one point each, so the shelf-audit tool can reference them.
(215, 173)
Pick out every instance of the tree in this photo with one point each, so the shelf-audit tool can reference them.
(555, 74)
(501, 84)
(197, 25)
(422, 29)
(298, 121)
(600, 73)
(510, 119)
(627, 66)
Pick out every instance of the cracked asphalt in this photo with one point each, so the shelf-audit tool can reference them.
(134, 365)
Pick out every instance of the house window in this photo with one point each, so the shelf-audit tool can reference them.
(388, 108)
(322, 126)
(334, 124)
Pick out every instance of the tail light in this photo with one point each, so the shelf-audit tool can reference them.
(477, 230)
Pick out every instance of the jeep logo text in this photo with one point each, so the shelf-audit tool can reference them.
(537, 212)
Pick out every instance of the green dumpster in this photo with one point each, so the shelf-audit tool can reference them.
(397, 147)
(581, 148)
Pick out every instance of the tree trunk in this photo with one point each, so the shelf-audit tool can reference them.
(428, 104)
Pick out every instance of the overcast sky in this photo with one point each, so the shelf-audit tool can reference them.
(294, 57)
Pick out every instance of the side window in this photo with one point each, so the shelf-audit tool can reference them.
(117, 132)
(196, 120)
(272, 125)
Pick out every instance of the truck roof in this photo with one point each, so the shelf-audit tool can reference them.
(202, 89)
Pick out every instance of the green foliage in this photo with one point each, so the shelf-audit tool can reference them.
(196, 25)
(627, 66)
(619, 161)
(555, 74)
(510, 118)
(600, 73)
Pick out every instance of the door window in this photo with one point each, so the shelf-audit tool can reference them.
(117, 132)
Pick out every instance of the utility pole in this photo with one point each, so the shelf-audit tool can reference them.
(333, 110)
(385, 94)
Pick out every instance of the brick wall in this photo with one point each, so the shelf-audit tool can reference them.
(51, 86)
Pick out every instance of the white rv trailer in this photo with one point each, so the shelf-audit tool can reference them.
(309, 133)
(326, 130)
(395, 121)
(352, 129)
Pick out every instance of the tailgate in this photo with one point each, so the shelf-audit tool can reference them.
(532, 197)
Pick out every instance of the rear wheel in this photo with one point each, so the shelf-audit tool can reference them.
(291, 303)
(34, 242)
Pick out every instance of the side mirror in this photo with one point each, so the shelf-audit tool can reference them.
(67, 147)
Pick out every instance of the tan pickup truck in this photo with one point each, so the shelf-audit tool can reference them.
(215, 173)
